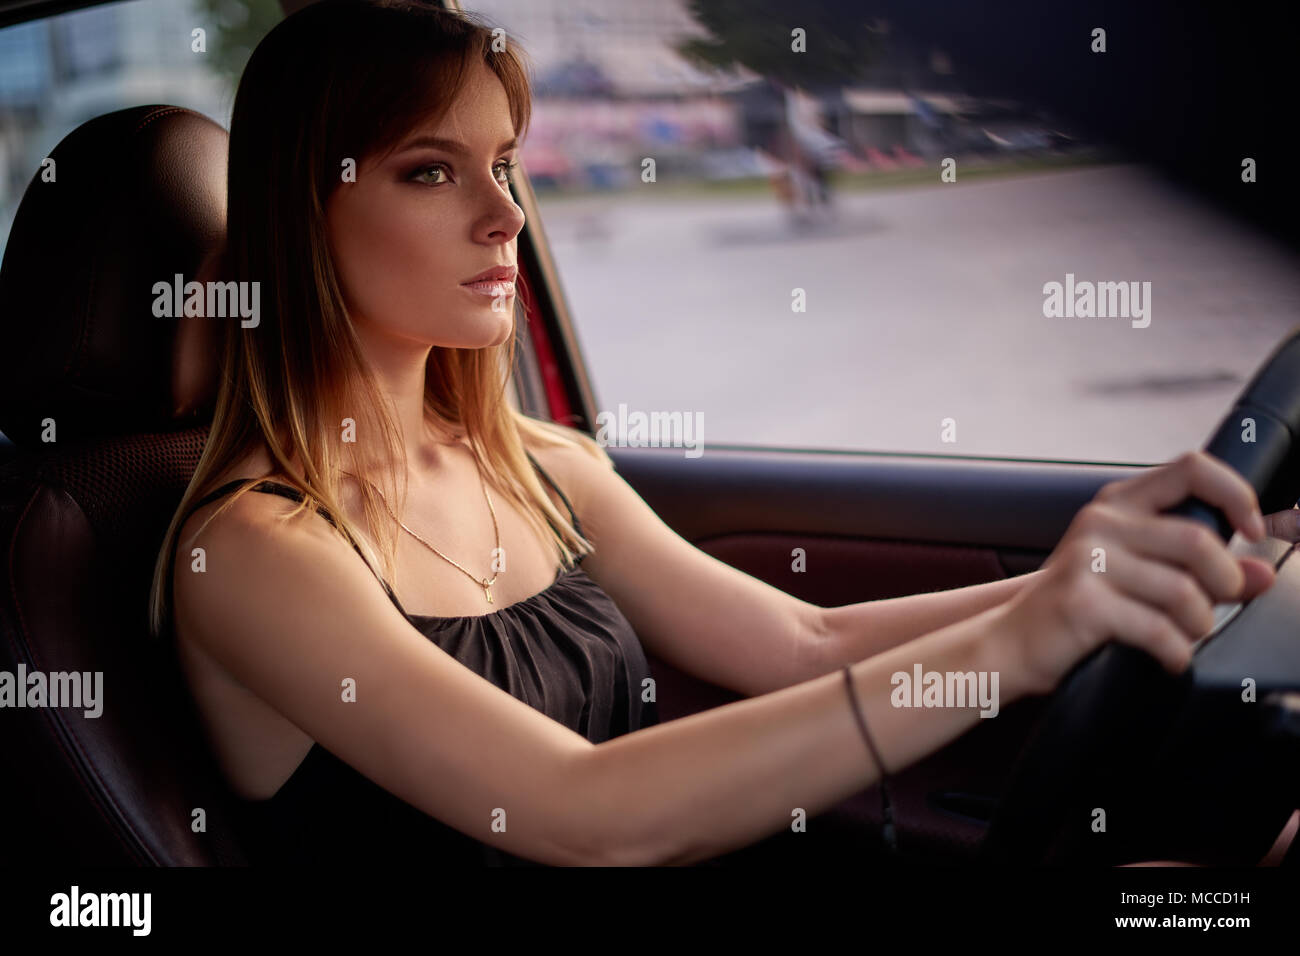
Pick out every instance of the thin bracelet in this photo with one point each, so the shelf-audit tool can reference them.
(887, 814)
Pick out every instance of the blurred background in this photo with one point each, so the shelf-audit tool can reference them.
(777, 169)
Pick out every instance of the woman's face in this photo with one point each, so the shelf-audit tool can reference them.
(416, 225)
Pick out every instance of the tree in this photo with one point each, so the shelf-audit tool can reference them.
(841, 41)
(235, 27)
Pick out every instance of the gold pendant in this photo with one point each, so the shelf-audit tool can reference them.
(487, 589)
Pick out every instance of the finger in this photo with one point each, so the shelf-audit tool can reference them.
(1260, 576)
(1139, 625)
(1201, 475)
(1170, 591)
(1178, 541)
(1284, 524)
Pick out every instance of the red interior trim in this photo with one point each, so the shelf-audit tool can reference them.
(557, 399)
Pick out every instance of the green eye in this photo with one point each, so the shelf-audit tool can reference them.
(502, 170)
(421, 172)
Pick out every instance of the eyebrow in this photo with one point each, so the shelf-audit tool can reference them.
(450, 145)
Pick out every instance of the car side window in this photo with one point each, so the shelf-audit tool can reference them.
(61, 71)
(863, 257)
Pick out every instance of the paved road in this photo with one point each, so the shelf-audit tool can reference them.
(926, 303)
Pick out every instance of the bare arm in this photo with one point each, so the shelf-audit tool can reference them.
(689, 609)
(293, 613)
(719, 780)
(857, 631)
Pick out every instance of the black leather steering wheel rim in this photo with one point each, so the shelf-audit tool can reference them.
(1118, 704)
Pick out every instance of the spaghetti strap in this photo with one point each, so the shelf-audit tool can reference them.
(573, 515)
(267, 486)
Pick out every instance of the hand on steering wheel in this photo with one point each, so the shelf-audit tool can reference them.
(1144, 563)
(1126, 571)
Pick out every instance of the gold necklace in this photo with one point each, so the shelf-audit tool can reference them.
(484, 583)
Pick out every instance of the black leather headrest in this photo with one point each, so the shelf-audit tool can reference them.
(132, 198)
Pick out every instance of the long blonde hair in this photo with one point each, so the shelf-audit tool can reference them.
(347, 78)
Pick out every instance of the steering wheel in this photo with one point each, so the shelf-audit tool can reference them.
(1112, 714)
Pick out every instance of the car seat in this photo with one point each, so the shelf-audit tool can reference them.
(108, 409)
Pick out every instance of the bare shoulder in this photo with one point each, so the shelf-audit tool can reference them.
(251, 511)
(225, 555)
(229, 536)
(577, 471)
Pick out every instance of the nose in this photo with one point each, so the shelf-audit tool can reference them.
(502, 221)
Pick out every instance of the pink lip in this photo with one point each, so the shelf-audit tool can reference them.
(492, 287)
(494, 274)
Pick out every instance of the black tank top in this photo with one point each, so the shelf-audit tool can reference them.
(566, 651)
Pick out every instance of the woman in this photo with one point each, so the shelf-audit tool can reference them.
(387, 660)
